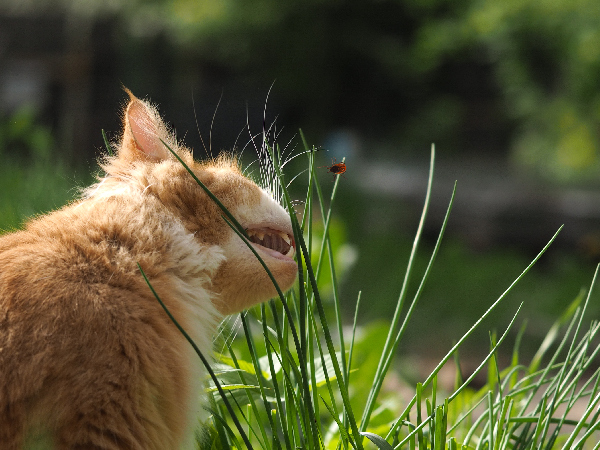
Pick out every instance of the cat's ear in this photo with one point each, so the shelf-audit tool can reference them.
(143, 131)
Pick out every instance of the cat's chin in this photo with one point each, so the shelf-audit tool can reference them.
(242, 282)
(276, 248)
(279, 265)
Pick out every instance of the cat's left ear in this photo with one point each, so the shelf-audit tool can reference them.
(143, 131)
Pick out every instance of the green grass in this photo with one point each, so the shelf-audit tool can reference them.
(299, 379)
(29, 189)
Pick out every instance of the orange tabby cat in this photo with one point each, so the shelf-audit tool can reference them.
(88, 358)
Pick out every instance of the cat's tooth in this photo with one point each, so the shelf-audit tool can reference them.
(285, 237)
(260, 235)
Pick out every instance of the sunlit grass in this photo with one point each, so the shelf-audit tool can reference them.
(292, 381)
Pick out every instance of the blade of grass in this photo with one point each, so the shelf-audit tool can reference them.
(226, 427)
(506, 402)
(543, 373)
(331, 349)
(554, 384)
(554, 330)
(440, 427)
(287, 362)
(491, 417)
(593, 428)
(380, 442)
(326, 243)
(324, 366)
(388, 346)
(581, 423)
(221, 431)
(385, 362)
(420, 422)
(515, 356)
(107, 144)
(292, 398)
(351, 349)
(334, 416)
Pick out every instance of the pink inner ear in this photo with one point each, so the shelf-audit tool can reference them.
(146, 131)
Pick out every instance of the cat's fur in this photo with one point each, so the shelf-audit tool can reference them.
(87, 355)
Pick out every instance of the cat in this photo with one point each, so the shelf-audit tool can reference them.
(88, 358)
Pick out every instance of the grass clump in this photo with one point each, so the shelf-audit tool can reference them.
(294, 382)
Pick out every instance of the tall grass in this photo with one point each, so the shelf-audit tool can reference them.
(295, 382)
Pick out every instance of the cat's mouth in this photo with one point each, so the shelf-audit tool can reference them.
(275, 240)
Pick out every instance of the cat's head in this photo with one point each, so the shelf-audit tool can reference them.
(240, 280)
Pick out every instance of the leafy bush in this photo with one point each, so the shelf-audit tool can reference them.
(478, 75)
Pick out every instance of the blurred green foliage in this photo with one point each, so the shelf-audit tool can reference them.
(517, 77)
(22, 137)
(546, 57)
(32, 180)
(476, 75)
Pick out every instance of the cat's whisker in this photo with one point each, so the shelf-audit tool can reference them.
(212, 124)
(296, 176)
(265, 114)
(197, 126)
(245, 171)
(292, 157)
(231, 325)
(236, 141)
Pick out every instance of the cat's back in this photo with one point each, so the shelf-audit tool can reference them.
(76, 271)
(78, 324)
(65, 254)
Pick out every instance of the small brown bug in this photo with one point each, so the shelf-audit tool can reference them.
(336, 169)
